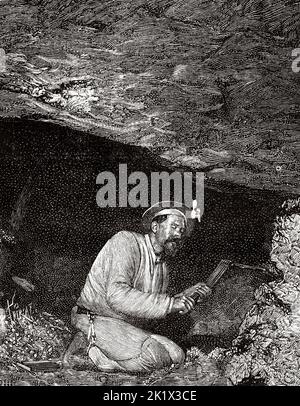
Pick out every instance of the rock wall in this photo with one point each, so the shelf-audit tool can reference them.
(267, 349)
(204, 85)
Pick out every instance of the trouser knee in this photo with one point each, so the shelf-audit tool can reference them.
(157, 352)
(153, 356)
(177, 355)
(161, 355)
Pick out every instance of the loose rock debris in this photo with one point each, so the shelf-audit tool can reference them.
(30, 340)
(267, 349)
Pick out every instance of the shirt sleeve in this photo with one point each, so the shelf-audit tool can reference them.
(123, 260)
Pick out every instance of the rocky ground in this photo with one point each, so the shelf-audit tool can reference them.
(32, 338)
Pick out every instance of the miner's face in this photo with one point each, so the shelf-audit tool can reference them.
(169, 233)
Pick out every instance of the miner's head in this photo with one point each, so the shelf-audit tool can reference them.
(167, 232)
(166, 223)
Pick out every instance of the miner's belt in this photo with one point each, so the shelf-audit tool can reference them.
(83, 310)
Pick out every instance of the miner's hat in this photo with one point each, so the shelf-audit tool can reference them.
(170, 207)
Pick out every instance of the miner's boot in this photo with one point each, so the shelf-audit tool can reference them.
(79, 342)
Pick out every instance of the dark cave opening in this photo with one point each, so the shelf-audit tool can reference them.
(63, 229)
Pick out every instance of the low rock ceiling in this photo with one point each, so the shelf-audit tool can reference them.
(207, 86)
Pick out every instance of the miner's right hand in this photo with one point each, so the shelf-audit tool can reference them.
(182, 305)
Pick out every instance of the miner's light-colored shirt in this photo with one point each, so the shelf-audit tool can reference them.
(127, 280)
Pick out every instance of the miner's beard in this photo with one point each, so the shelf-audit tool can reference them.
(171, 247)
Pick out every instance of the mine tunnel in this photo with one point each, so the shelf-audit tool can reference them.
(213, 87)
(48, 204)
